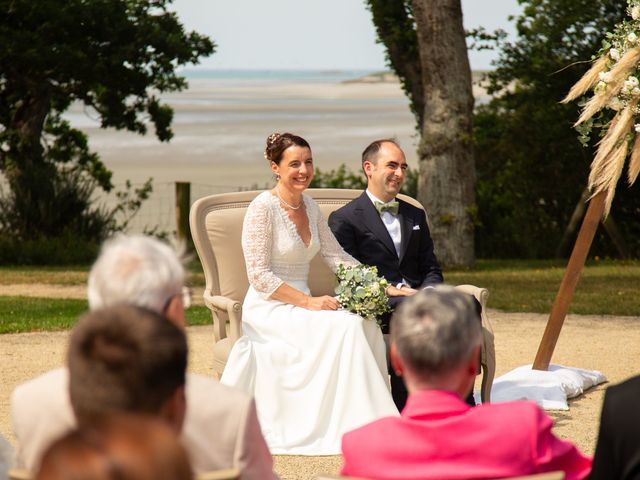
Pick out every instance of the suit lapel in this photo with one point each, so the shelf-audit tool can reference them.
(406, 226)
(372, 222)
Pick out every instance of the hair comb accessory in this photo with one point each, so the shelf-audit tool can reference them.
(271, 139)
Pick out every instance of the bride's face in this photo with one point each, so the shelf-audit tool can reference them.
(295, 168)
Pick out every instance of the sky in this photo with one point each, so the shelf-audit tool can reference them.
(312, 34)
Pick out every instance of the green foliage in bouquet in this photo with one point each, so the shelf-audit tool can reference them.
(361, 291)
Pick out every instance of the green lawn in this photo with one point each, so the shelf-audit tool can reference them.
(68, 275)
(26, 314)
(606, 287)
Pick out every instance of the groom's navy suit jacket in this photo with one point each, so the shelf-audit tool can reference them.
(359, 229)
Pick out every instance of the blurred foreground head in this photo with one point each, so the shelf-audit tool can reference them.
(138, 270)
(121, 447)
(435, 334)
(127, 359)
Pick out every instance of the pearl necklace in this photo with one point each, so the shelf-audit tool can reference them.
(288, 204)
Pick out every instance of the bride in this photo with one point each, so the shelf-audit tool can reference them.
(316, 371)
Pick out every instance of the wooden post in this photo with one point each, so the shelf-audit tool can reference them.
(569, 282)
(183, 204)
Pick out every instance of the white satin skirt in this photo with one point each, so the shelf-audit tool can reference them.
(315, 375)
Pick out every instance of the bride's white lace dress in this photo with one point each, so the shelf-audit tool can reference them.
(314, 374)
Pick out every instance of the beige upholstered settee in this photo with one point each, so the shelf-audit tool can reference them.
(216, 227)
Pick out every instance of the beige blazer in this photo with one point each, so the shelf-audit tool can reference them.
(221, 428)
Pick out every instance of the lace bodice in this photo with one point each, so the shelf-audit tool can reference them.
(273, 250)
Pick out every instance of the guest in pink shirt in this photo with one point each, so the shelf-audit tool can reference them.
(435, 343)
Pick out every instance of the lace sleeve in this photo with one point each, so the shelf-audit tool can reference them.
(257, 237)
(331, 251)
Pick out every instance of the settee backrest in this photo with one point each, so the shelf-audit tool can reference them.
(216, 227)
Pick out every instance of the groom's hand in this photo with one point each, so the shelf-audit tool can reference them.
(324, 302)
(403, 291)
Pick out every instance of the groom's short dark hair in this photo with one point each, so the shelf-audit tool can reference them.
(370, 153)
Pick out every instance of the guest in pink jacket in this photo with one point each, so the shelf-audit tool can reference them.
(435, 343)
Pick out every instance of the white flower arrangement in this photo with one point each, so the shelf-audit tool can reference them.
(361, 291)
(614, 107)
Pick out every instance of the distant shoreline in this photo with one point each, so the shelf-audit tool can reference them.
(345, 76)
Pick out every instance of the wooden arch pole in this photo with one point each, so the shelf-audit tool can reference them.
(569, 281)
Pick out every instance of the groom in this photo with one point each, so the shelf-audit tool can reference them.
(391, 234)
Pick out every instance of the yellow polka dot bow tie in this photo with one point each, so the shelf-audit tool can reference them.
(391, 207)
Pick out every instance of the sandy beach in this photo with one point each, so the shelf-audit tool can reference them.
(221, 124)
(220, 127)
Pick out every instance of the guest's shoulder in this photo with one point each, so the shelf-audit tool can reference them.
(201, 388)
(370, 432)
(625, 391)
(523, 410)
(42, 386)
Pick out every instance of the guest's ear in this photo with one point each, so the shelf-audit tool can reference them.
(175, 312)
(396, 361)
(473, 364)
(174, 409)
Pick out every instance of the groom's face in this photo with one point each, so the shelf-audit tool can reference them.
(387, 173)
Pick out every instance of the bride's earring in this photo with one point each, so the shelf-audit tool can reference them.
(277, 177)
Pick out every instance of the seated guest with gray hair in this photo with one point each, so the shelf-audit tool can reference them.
(435, 341)
(221, 428)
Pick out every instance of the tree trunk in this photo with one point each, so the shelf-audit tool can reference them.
(572, 227)
(395, 26)
(30, 178)
(447, 170)
(616, 237)
(609, 226)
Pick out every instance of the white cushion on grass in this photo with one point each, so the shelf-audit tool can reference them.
(549, 389)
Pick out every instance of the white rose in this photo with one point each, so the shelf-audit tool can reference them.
(636, 127)
(635, 92)
(633, 80)
(632, 38)
(600, 88)
(635, 13)
(614, 53)
(605, 77)
(615, 104)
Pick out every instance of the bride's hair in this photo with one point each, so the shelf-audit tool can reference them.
(277, 143)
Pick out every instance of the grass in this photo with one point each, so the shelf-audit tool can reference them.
(47, 275)
(28, 314)
(74, 275)
(606, 287)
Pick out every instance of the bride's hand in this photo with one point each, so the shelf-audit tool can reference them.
(324, 302)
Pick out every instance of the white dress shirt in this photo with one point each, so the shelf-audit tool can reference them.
(391, 223)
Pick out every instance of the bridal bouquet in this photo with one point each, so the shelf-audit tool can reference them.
(360, 290)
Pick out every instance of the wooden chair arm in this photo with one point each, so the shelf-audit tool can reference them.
(233, 309)
(488, 352)
(226, 474)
